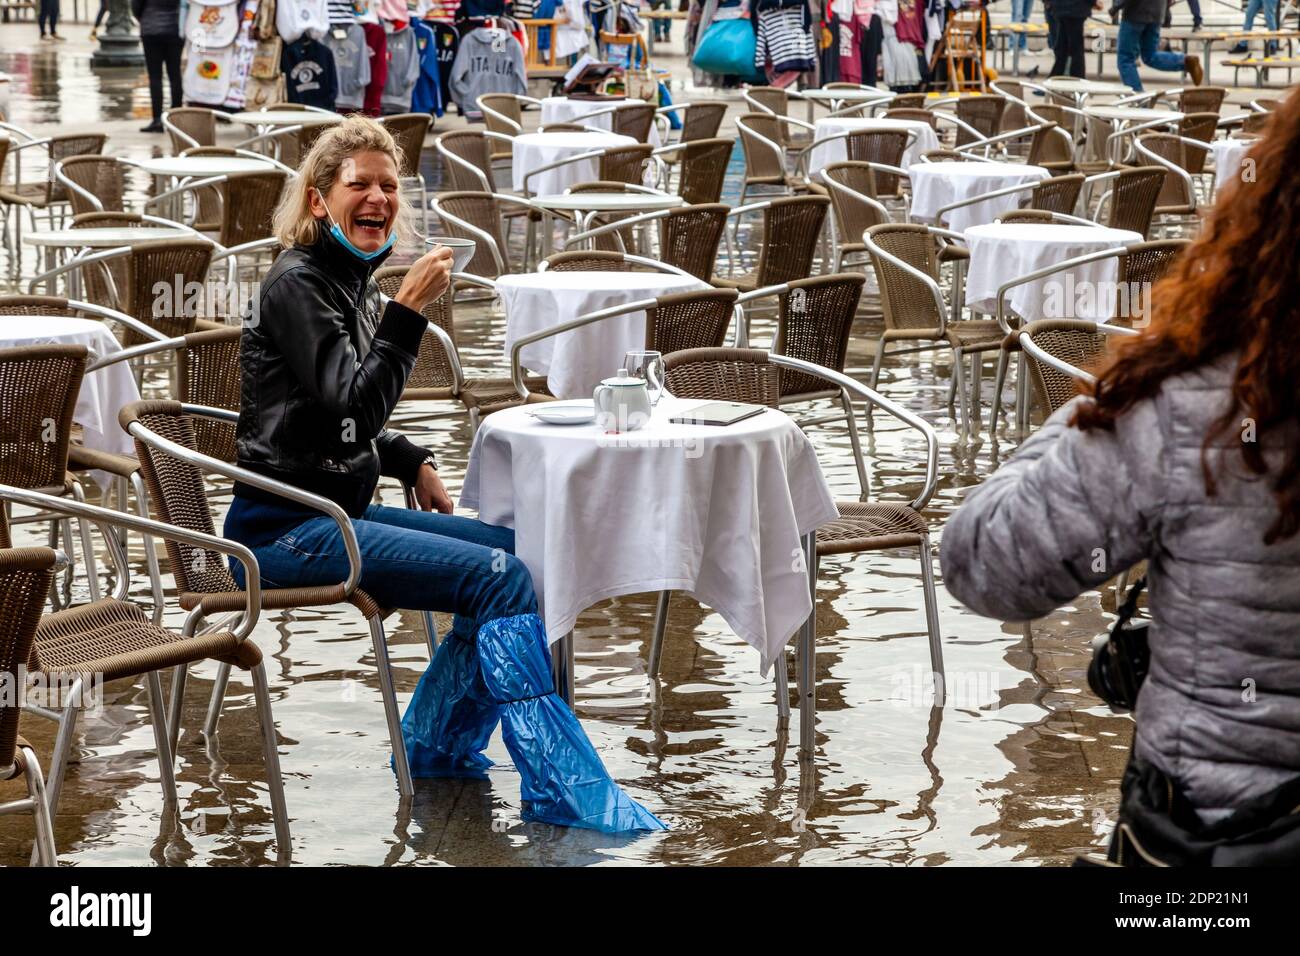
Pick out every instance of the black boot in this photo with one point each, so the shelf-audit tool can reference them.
(155, 127)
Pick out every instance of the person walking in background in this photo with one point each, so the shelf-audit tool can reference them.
(47, 15)
(99, 18)
(662, 28)
(1070, 17)
(1139, 35)
(1270, 22)
(1020, 11)
(1184, 454)
(160, 35)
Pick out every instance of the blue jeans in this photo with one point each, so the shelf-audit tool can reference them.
(1020, 10)
(416, 560)
(1252, 10)
(1142, 39)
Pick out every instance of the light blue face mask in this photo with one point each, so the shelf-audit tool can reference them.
(337, 232)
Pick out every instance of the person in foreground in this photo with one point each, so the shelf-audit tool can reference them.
(1185, 454)
(324, 362)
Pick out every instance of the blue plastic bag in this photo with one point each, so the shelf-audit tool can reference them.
(505, 675)
(665, 99)
(728, 48)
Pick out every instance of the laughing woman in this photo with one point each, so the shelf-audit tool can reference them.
(324, 363)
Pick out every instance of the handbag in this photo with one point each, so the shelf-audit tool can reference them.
(727, 48)
(1120, 660)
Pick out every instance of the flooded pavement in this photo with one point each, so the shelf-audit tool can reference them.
(1021, 764)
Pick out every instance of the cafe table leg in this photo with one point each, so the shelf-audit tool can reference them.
(808, 655)
(562, 667)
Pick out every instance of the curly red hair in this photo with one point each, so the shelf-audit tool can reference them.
(1236, 289)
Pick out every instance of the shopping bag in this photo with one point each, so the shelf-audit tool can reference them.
(727, 48)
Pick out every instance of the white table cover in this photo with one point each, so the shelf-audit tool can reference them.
(1228, 156)
(575, 361)
(561, 109)
(103, 393)
(935, 185)
(1001, 252)
(202, 165)
(836, 151)
(533, 150)
(717, 512)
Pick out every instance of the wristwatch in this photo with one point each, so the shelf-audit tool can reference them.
(430, 461)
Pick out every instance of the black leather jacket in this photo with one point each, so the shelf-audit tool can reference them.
(322, 371)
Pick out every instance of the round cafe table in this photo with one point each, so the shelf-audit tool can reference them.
(590, 205)
(562, 109)
(97, 237)
(178, 167)
(1001, 252)
(269, 119)
(1228, 157)
(1082, 89)
(103, 392)
(716, 511)
(1123, 118)
(574, 362)
(531, 151)
(936, 185)
(836, 151)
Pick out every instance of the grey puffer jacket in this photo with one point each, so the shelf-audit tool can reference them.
(1220, 709)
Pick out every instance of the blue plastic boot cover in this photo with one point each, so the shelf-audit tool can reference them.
(562, 779)
(451, 716)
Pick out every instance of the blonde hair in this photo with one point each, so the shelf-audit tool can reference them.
(293, 223)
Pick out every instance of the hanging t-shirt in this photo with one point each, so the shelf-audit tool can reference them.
(403, 71)
(297, 18)
(245, 50)
(393, 11)
(340, 11)
(211, 25)
(427, 96)
(310, 79)
(206, 79)
(377, 41)
(351, 64)
(448, 42)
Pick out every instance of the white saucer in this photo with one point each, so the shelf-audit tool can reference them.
(564, 413)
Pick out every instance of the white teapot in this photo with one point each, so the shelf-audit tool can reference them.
(622, 403)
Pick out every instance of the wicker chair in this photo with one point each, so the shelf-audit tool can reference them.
(503, 113)
(791, 228)
(439, 373)
(982, 113)
(689, 237)
(93, 183)
(467, 159)
(703, 168)
(173, 263)
(1133, 197)
(776, 102)
(751, 375)
(913, 113)
(689, 320)
(1176, 201)
(1048, 148)
(190, 126)
(1058, 194)
(906, 260)
(702, 120)
(947, 156)
(625, 164)
(764, 155)
(633, 120)
(1201, 127)
(853, 199)
(908, 101)
(1141, 266)
(173, 472)
(1074, 342)
(26, 576)
(593, 260)
(884, 146)
(480, 216)
(46, 192)
(1201, 99)
(1013, 115)
(112, 639)
(814, 321)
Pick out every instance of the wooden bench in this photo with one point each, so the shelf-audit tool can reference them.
(17, 7)
(1261, 66)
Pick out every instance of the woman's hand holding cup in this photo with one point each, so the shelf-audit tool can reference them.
(427, 279)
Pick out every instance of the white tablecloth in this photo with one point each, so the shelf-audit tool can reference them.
(533, 150)
(935, 185)
(836, 151)
(1228, 155)
(1000, 252)
(576, 361)
(103, 393)
(717, 512)
(561, 109)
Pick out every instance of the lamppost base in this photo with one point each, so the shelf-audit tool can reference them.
(118, 50)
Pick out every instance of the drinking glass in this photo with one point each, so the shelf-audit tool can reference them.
(649, 366)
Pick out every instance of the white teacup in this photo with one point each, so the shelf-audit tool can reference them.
(462, 250)
(622, 403)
